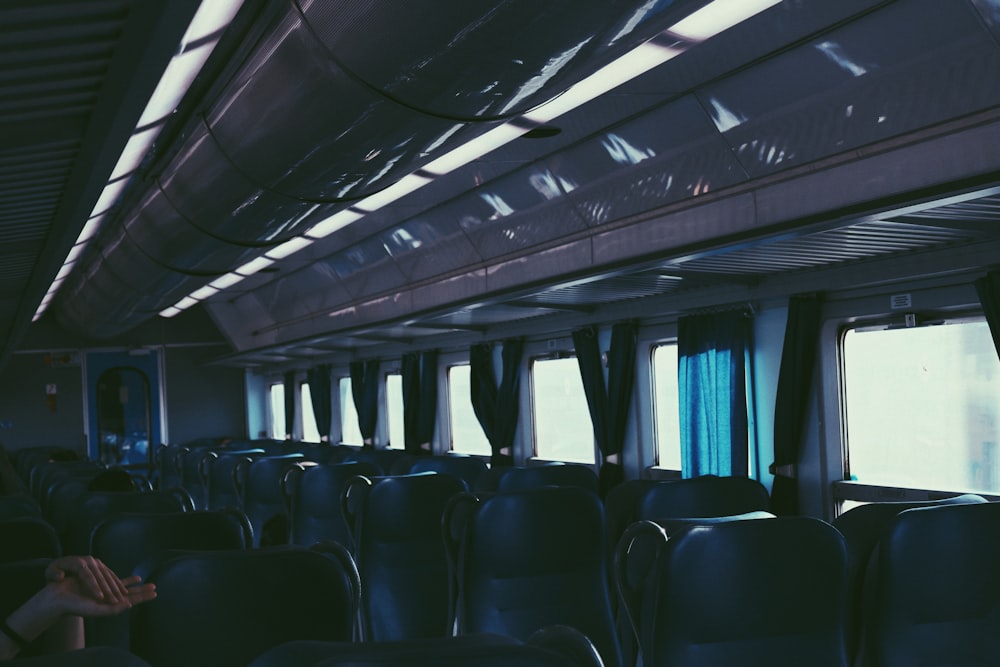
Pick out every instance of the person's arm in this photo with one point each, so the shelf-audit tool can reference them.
(69, 596)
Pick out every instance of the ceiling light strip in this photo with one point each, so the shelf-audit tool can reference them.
(212, 17)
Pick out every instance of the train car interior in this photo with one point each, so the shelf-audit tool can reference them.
(565, 332)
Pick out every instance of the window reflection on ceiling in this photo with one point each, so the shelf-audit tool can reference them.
(622, 152)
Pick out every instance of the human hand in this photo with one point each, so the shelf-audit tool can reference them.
(96, 578)
(69, 596)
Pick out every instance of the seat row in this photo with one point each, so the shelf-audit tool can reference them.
(511, 562)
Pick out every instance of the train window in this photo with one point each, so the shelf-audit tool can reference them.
(467, 435)
(922, 406)
(310, 432)
(350, 429)
(667, 431)
(394, 409)
(276, 393)
(563, 430)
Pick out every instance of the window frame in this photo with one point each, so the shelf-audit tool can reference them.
(850, 491)
(823, 463)
(542, 351)
(445, 425)
(650, 337)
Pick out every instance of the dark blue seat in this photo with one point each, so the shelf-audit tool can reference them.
(467, 468)
(27, 537)
(227, 477)
(863, 527)
(168, 465)
(534, 558)
(383, 458)
(400, 552)
(225, 608)
(263, 498)
(555, 647)
(935, 589)
(194, 475)
(102, 656)
(705, 496)
(316, 512)
(13, 507)
(41, 476)
(123, 541)
(61, 500)
(550, 474)
(768, 591)
(93, 507)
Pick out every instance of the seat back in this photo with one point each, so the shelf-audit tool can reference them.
(400, 552)
(225, 489)
(760, 591)
(123, 541)
(194, 475)
(534, 558)
(263, 498)
(936, 588)
(466, 468)
(705, 496)
(224, 608)
(383, 458)
(15, 507)
(27, 537)
(550, 474)
(316, 513)
(94, 507)
(467, 651)
(61, 500)
(863, 527)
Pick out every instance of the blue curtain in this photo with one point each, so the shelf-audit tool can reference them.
(609, 407)
(798, 360)
(289, 404)
(711, 367)
(988, 289)
(320, 390)
(419, 400)
(364, 389)
(496, 408)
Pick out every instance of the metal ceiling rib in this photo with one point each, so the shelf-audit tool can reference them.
(54, 59)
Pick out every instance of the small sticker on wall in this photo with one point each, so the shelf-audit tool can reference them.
(50, 390)
(897, 301)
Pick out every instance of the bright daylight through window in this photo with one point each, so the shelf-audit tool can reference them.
(310, 433)
(665, 407)
(563, 430)
(277, 395)
(923, 407)
(394, 409)
(467, 435)
(350, 430)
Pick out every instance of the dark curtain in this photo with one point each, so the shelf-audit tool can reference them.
(419, 400)
(496, 408)
(364, 389)
(320, 393)
(289, 404)
(798, 359)
(988, 289)
(711, 368)
(608, 407)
